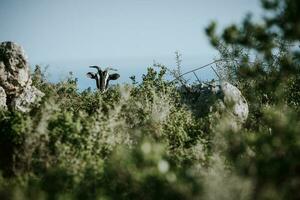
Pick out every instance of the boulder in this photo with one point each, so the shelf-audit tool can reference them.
(235, 101)
(16, 89)
(217, 97)
(2, 98)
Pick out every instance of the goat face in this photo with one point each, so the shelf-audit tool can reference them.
(102, 78)
(105, 77)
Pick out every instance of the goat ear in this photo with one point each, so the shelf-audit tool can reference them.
(91, 75)
(114, 76)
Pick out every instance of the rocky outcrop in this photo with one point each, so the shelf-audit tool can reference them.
(217, 97)
(16, 90)
(235, 101)
(2, 98)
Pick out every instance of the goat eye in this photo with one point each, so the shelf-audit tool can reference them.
(114, 76)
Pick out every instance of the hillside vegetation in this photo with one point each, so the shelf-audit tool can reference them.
(147, 140)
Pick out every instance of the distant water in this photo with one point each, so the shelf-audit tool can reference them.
(58, 71)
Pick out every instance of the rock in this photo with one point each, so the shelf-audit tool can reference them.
(235, 101)
(17, 91)
(221, 97)
(29, 96)
(2, 98)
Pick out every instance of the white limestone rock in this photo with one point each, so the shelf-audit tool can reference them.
(218, 97)
(235, 101)
(2, 98)
(29, 96)
(15, 78)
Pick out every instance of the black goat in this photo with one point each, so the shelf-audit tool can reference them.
(102, 77)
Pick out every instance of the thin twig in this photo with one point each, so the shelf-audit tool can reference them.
(197, 77)
(215, 72)
(216, 61)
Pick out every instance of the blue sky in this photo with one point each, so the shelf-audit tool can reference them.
(70, 35)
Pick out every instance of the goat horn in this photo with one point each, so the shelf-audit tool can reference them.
(96, 67)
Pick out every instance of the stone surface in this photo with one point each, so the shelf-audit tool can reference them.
(217, 97)
(29, 96)
(235, 101)
(15, 79)
(2, 98)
